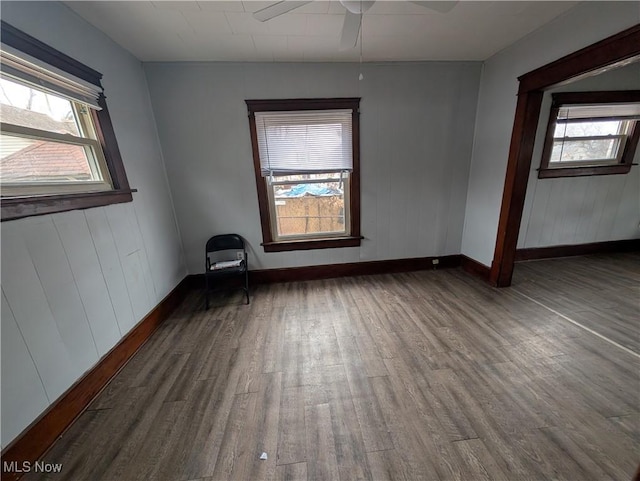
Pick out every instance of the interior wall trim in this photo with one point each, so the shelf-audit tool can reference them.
(38, 437)
(329, 271)
(475, 268)
(607, 247)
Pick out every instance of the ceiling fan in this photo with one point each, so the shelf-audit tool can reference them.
(353, 16)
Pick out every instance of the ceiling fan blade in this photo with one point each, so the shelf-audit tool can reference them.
(350, 30)
(277, 9)
(442, 7)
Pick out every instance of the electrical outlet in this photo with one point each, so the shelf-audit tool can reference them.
(240, 256)
(435, 262)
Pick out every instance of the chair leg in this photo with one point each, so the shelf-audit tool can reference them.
(206, 293)
(246, 285)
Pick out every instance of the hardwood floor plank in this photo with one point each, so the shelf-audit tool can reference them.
(320, 444)
(416, 461)
(491, 429)
(349, 444)
(453, 419)
(479, 464)
(614, 453)
(292, 435)
(386, 465)
(568, 449)
(291, 472)
(153, 448)
(229, 463)
(260, 434)
(629, 424)
(193, 452)
(72, 449)
(273, 351)
(418, 399)
(379, 335)
(375, 433)
(592, 289)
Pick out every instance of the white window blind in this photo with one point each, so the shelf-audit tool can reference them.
(36, 73)
(298, 142)
(614, 111)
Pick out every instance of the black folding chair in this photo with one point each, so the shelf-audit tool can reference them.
(225, 260)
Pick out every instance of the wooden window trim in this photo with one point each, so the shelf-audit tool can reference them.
(269, 243)
(618, 50)
(27, 206)
(589, 98)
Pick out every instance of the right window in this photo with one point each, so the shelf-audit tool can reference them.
(591, 133)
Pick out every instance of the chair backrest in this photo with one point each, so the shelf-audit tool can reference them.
(225, 242)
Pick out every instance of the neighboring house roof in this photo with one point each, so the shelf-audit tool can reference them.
(36, 120)
(25, 159)
(46, 160)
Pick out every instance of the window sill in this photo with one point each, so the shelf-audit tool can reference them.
(583, 171)
(301, 245)
(19, 207)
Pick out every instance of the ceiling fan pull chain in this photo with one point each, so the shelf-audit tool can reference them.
(361, 77)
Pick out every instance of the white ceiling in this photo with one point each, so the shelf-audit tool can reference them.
(392, 30)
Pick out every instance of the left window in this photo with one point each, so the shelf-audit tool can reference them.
(57, 147)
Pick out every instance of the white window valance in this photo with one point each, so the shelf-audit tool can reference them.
(298, 142)
(33, 72)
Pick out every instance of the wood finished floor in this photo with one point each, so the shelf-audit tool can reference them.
(600, 292)
(419, 376)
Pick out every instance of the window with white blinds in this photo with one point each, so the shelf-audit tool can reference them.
(302, 142)
(58, 150)
(591, 133)
(306, 159)
(630, 111)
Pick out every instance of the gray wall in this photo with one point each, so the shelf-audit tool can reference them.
(583, 25)
(73, 284)
(579, 210)
(416, 134)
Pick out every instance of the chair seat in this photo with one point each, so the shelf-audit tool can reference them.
(227, 271)
(222, 265)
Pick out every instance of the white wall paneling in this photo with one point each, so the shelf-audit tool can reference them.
(111, 268)
(73, 229)
(29, 304)
(416, 133)
(74, 283)
(52, 267)
(23, 393)
(132, 257)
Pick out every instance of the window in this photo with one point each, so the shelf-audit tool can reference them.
(57, 147)
(591, 133)
(48, 144)
(306, 160)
